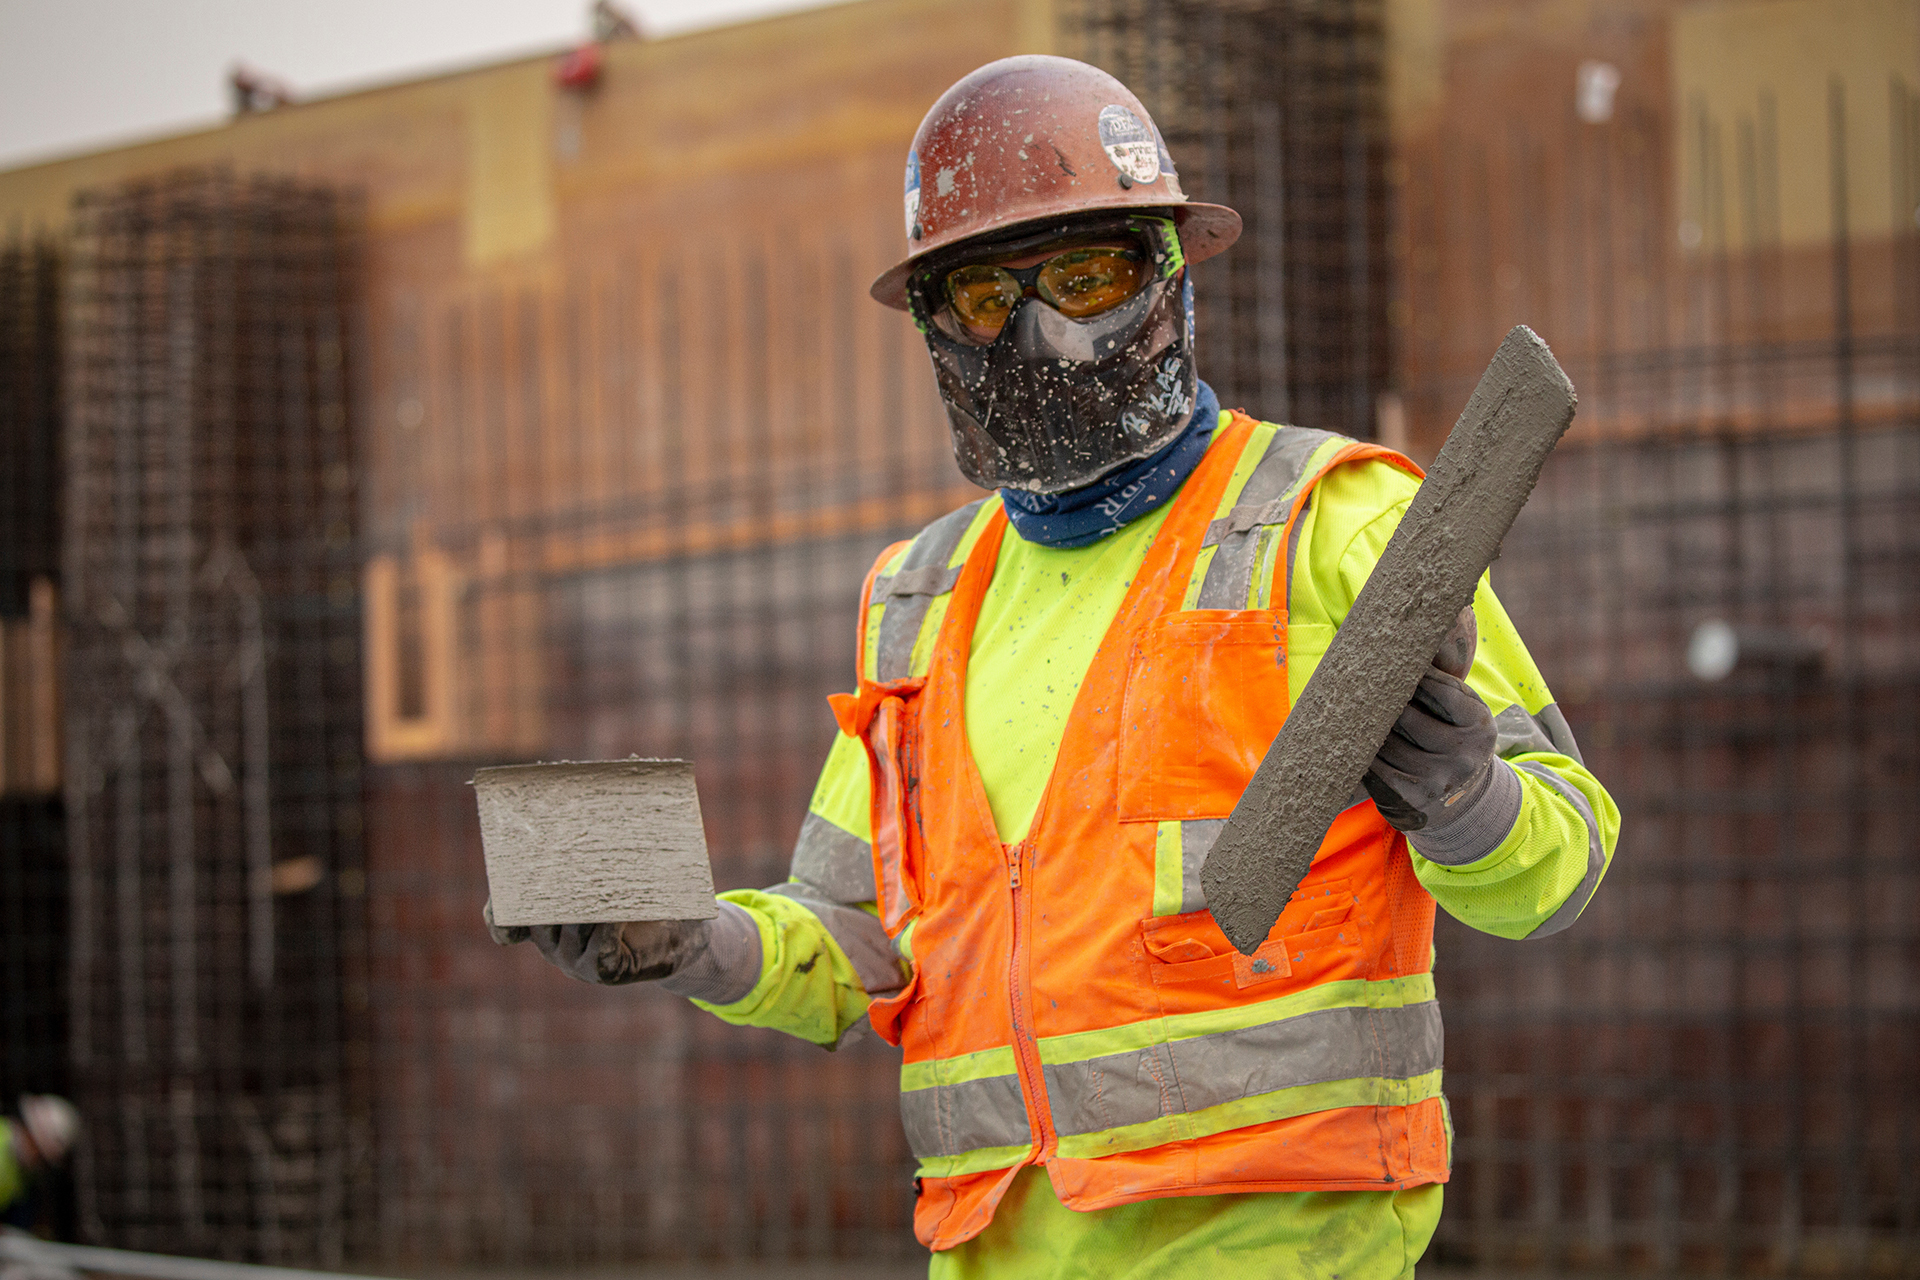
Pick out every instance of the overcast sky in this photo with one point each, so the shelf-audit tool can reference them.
(78, 75)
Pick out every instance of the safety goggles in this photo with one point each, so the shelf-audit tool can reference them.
(1077, 282)
(1122, 256)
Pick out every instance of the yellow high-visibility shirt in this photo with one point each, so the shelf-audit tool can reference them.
(13, 1178)
(1044, 615)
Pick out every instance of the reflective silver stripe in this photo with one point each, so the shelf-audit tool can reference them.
(859, 934)
(1576, 902)
(1293, 539)
(833, 860)
(1559, 732)
(1196, 841)
(947, 1119)
(909, 592)
(1265, 501)
(1516, 731)
(1268, 493)
(1545, 730)
(1190, 1075)
(929, 580)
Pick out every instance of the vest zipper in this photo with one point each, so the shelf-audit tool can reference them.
(1026, 1050)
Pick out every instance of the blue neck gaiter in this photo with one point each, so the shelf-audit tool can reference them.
(1091, 512)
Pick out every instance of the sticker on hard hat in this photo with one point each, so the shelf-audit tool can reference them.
(1166, 167)
(1130, 144)
(913, 194)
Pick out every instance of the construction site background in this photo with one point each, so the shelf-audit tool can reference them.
(532, 413)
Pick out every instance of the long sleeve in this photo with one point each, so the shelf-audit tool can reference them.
(816, 955)
(822, 954)
(1539, 878)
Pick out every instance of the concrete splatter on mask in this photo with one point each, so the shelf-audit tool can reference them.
(1053, 403)
(1017, 155)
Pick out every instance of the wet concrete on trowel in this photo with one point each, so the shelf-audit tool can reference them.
(1452, 530)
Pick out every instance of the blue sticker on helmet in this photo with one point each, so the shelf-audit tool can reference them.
(913, 194)
(1166, 167)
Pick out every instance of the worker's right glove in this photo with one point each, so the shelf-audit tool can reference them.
(717, 960)
(1436, 777)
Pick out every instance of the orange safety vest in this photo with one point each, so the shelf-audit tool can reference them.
(1051, 1016)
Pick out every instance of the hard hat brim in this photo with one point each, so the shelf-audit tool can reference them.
(1205, 230)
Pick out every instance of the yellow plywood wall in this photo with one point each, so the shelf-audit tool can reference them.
(508, 206)
(1757, 77)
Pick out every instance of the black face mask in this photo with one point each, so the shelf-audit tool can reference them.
(1052, 404)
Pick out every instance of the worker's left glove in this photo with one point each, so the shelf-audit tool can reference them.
(716, 960)
(1436, 777)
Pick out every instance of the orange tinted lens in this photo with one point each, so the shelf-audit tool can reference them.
(982, 296)
(1085, 282)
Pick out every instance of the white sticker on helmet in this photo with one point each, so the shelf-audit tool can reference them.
(1132, 147)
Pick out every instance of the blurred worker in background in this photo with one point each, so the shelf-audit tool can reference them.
(31, 1147)
(1063, 690)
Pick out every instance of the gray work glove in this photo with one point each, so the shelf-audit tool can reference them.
(610, 955)
(716, 960)
(1436, 777)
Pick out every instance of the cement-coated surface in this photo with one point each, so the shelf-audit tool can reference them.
(1450, 534)
(577, 843)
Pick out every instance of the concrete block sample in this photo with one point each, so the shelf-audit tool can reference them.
(1451, 533)
(582, 843)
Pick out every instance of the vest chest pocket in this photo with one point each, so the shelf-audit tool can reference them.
(1190, 948)
(1206, 692)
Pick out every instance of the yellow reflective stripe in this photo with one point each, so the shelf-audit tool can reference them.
(904, 943)
(929, 634)
(1315, 610)
(977, 1161)
(1250, 458)
(997, 1061)
(1267, 566)
(1169, 888)
(1281, 1104)
(878, 610)
(1392, 993)
(937, 606)
(1318, 459)
(875, 612)
(937, 609)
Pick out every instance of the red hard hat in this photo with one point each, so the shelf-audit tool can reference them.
(1027, 139)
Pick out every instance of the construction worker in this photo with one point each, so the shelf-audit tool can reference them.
(1063, 689)
(31, 1147)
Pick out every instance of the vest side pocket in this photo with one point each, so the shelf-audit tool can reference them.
(1206, 692)
(892, 757)
(888, 1013)
(890, 733)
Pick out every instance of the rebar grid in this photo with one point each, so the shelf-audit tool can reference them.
(33, 879)
(213, 728)
(30, 276)
(627, 509)
(1276, 108)
(646, 500)
(1714, 1071)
